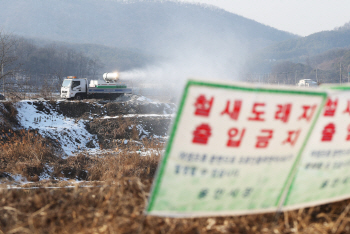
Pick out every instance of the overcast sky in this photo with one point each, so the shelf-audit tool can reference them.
(301, 17)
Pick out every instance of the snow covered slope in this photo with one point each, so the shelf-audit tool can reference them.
(70, 133)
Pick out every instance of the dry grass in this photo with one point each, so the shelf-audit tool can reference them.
(117, 207)
(30, 155)
(8, 118)
(25, 153)
(116, 203)
(111, 167)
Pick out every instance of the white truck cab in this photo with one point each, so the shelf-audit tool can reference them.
(74, 88)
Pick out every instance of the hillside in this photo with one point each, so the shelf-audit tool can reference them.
(142, 24)
(110, 57)
(307, 50)
(300, 48)
(197, 40)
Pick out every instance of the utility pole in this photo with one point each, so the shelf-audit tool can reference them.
(316, 76)
(295, 77)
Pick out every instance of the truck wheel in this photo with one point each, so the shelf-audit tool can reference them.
(78, 97)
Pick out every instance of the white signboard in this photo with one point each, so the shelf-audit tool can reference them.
(233, 149)
(323, 175)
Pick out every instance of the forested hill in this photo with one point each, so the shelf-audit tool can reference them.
(148, 25)
(300, 49)
(323, 56)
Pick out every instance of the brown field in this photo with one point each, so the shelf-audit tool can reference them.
(114, 194)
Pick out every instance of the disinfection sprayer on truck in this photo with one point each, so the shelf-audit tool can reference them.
(108, 88)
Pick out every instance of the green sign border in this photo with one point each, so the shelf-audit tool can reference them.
(161, 167)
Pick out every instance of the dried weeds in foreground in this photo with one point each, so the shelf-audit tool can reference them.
(117, 207)
(116, 201)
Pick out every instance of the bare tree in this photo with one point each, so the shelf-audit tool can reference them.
(8, 58)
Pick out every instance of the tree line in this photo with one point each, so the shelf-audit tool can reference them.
(25, 64)
(332, 66)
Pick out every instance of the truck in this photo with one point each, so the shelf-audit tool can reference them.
(108, 88)
(307, 83)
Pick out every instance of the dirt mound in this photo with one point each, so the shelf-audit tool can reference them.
(54, 130)
(71, 109)
(76, 125)
(98, 108)
(139, 108)
(135, 118)
(135, 128)
(76, 109)
(69, 133)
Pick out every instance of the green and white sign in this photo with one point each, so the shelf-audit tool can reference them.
(323, 175)
(233, 149)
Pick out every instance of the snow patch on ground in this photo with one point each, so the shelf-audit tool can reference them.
(151, 152)
(19, 178)
(70, 133)
(144, 99)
